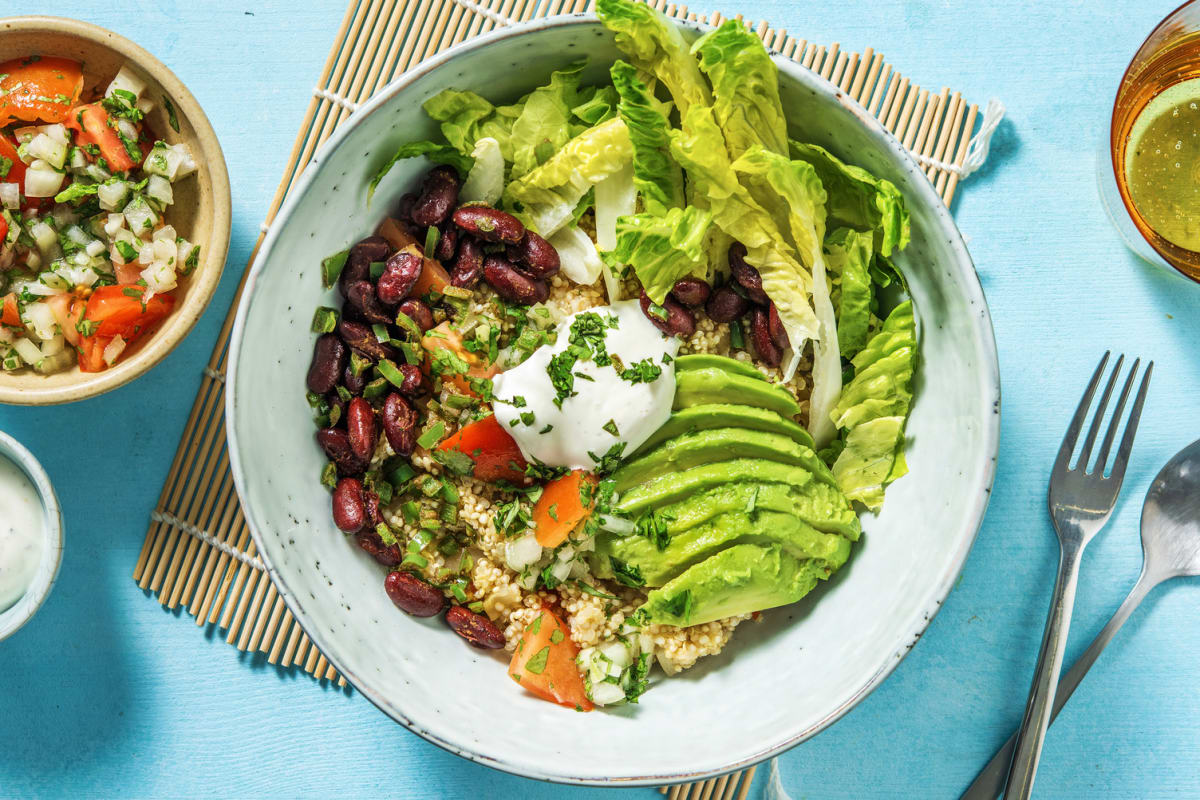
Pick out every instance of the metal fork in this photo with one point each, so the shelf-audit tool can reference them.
(1081, 501)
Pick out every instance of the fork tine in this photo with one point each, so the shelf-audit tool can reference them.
(1118, 470)
(1111, 433)
(1072, 435)
(1085, 455)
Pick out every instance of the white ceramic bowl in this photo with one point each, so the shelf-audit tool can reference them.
(778, 682)
(14, 617)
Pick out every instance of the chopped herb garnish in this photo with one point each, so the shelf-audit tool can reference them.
(609, 461)
(611, 427)
(547, 429)
(736, 337)
(644, 371)
(626, 574)
(455, 460)
(593, 591)
(172, 120)
(653, 525)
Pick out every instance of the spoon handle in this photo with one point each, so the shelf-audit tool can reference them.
(989, 783)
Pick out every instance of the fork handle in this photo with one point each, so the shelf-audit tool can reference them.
(1032, 732)
(989, 783)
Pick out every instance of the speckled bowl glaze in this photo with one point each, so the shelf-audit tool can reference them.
(13, 618)
(201, 212)
(779, 681)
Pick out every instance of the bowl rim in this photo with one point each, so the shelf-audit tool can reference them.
(990, 369)
(47, 571)
(206, 277)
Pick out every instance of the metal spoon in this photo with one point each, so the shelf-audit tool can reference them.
(1170, 549)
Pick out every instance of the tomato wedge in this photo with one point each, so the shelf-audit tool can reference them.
(39, 88)
(10, 159)
(95, 126)
(121, 312)
(561, 507)
(443, 337)
(495, 453)
(9, 314)
(544, 663)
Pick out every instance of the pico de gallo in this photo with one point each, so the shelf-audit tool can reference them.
(88, 261)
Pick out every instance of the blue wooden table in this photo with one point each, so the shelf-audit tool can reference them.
(106, 694)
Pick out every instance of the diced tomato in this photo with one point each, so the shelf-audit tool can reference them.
(67, 309)
(495, 453)
(91, 353)
(561, 507)
(39, 88)
(128, 273)
(9, 314)
(95, 126)
(16, 167)
(3, 230)
(544, 663)
(444, 337)
(121, 312)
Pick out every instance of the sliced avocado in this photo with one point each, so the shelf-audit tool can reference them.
(676, 486)
(708, 361)
(706, 447)
(738, 580)
(691, 546)
(724, 415)
(695, 387)
(822, 506)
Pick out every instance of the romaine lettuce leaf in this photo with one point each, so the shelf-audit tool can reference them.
(466, 117)
(848, 256)
(595, 105)
(656, 46)
(874, 408)
(543, 126)
(547, 196)
(485, 181)
(657, 177)
(435, 151)
(859, 200)
(663, 248)
(700, 148)
(745, 85)
(577, 254)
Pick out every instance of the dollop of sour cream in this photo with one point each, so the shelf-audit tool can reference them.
(22, 533)
(603, 409)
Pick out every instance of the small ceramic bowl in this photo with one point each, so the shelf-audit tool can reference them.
(43, 580)
(780, 680)
(201, 212)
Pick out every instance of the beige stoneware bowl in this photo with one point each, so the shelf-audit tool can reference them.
(201, 211)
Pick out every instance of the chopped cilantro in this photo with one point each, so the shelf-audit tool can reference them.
(626, 574)
(609, 461)
(611, 427)
(644, 371)
(172, 120)
(653, 526)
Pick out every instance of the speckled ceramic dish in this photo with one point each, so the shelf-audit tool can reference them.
(201, 212)
(778, 682)
(16, 616)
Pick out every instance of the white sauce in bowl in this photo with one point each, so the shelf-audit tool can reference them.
(604, 411)
(22, 533)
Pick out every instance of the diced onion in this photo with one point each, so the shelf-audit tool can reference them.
(604, 694)
(520, 553)
(140, 215)
(51, 151)
(159, 278)
(127, 129)
(561, 570)
(125, 79)
(187, 164)
(42, 182)
(165, 232)
(113, 351)
(10, 195)
(114, 223)
(159, 188)
(28, 351)
(53, 346)
(112, 194)
(94, 248)
(40, 319)
(57, 132)
(97, 173)
(43, 235)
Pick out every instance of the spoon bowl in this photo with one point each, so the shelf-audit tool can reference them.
(1171, 518)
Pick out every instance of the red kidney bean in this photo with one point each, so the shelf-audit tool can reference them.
(398, 278)
(361, 296)
(360, 426)
(475, 628)
(371, 504)
(489, 224)
(535, 256)
(336, 444)
(760, 336)
(358, 262)
(328, 360)
(678, 322)
(405, 206)
(513, 285)
(746, 275)
(691, 291)
(361, 339)
(447, 243)
(726, 305)
(400, 424)
(349, 506)
(413, 595)
(439, 196)
(372, 543)
(418, 312)
(775, 326)
(354, 383)
(468, 266)
(414, 383)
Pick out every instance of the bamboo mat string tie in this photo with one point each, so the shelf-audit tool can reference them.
(206, 537)
(485, 12)
(977, 148)
(216, 376)
(336, 99)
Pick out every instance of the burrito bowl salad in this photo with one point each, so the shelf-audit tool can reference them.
(88, 260)
(620, 374)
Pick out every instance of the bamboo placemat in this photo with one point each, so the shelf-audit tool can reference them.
(198, 552)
